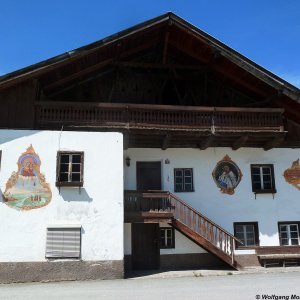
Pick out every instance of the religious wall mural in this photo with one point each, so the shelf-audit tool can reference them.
(27, 188)
(227, 175)
(292, 175)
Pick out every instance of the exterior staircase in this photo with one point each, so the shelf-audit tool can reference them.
(163, 206)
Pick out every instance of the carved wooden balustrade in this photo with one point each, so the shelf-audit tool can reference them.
(186, 219)
(112, 115)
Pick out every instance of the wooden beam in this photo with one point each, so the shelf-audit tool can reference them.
(165, 50)
(72, 85)
(166, 141)
(98, 66)
(217, 68)
(207, 142)
(143, 65)
(148, 217)
(78, 74)
(264, 102)
(125, 141)
(275, 142)
(113, 85)
(181, 101)
(240, 142)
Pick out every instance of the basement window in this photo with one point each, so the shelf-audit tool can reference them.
(69, 169)
(247, 233)
(183, 180)
(167, 238)
(63, 242)
(263, 180)
(289, 234)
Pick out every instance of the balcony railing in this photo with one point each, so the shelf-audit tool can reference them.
(112, 115)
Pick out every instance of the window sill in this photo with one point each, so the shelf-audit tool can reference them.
(63, 258)
(69, 184)
(192, 191)
(265, 191)
(246, 247)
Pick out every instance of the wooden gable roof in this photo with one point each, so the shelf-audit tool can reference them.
(166, 31)
(151, 53)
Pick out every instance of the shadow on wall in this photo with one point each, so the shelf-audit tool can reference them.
(15, 134)
(1, 196)
(75, 194)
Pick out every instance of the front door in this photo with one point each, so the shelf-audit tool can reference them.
(145, 246)
(148, 175)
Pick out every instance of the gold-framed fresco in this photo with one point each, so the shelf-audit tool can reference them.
(292, 174)
(27, 188)
(227, 175)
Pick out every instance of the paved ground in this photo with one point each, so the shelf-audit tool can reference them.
(231, 287)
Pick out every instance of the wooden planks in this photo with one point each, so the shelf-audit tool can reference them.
(164, 116)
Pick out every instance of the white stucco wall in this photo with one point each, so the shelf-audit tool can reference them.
(222, 208)
(98, 208)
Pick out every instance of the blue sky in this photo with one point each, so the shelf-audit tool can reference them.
(266, 31)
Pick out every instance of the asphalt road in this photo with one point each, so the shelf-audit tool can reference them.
(231, 287)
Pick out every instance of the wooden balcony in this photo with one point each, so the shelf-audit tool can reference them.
(148, 207)
(106, 115)
(166, 126)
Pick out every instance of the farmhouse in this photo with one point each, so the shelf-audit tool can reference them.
(158, 147)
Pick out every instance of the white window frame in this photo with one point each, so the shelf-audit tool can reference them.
(288, 232)
(165, 230)
(184, 176)
(262, 182)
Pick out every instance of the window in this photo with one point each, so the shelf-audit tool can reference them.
(63, 242)
(248, 234)
(183, 180)
(263, 179)
(289, 233)
(69, 169)
(167, 238)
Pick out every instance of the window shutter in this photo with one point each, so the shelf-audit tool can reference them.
(63, 242)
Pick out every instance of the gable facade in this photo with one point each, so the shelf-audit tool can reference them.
(158, 147)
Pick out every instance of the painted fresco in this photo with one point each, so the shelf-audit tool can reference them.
(27, 188)
(227, 175)
(292, 175)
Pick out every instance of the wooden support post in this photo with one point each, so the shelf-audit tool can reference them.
(166, 141)
(165, 50)
(274, 143)
(207, 142)
(125, 141)
(232, 245)
(240, 142)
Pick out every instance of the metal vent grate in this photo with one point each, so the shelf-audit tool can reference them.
(63, 242)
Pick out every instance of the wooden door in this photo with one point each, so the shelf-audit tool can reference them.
(148, 175)
(145, 246)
